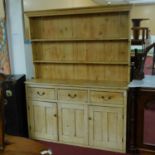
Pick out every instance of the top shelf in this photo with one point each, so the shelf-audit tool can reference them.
(78, 40)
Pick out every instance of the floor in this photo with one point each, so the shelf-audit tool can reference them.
(62, 149)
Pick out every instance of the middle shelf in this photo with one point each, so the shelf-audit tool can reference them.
(81, 62)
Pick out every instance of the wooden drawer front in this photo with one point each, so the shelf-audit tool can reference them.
(41, 93)
(72, 95)
(106, 97)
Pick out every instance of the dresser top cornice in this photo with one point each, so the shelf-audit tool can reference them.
(80, 10)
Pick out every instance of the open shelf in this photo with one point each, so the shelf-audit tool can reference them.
(90, 46)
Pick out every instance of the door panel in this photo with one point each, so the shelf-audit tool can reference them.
(73, 123)
(43, 120)
(106, 127)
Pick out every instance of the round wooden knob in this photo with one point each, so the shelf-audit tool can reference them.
(55, 115)
(89, 118)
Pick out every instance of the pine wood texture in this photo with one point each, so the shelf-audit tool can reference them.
(79, 83)
(106, 126)
(77, 11)
(43, 120)
(73, 44)
(73, 95)
(42, 93)
(79, 116)
(108, 97)
(73, 123)
(82, 67)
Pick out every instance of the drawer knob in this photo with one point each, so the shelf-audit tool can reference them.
(106, 97)
(72, 96)
(102, 97)
(89, 118)
(40, 94)
(55, 115)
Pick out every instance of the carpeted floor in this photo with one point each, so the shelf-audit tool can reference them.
(62, 149)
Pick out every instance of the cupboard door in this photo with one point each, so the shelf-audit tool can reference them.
(43, 120)
(73, 123)
(106, 127)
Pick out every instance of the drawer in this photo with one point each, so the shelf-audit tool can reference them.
(106, 97)
(73, 95)
(41, 93)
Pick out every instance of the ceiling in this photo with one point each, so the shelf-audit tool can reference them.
(31, 5)
(124, 1)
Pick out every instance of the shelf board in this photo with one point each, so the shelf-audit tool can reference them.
(81, 62)
(78, 40)
(81, 83)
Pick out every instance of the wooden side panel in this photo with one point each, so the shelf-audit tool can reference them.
(82, 72)
(73, 123)
(35, 27)
(106, 127)
(43, 120)
(109, 51)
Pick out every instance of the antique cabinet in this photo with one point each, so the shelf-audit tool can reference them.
(141, 116)
(82, 67)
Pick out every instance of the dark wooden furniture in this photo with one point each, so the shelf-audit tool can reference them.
(144, 32)
(141, 120)
(2, 77)
(15, 105)
(16, 145)
(140, 38)
(1, 123)
(138, 31)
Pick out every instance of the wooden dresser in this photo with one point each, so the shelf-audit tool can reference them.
(82, 67)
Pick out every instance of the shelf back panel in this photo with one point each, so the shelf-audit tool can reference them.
(115, 51)
(82, 72)
(97, 26)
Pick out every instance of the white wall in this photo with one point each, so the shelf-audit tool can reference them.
(15, 31)
(53, 4)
